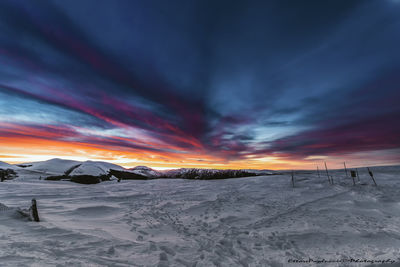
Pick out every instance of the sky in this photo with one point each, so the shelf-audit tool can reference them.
(201, 83)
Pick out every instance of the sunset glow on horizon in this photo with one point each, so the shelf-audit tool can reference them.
(210, 85)
(40, 149)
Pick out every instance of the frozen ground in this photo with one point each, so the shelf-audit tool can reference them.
(257, 221)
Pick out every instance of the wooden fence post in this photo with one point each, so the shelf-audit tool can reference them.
(372, 176)
(292, 179)
(345, 169)
(353, 175)
(34, 211)
(327, 174)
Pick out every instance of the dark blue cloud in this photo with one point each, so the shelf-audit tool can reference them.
(232, 78)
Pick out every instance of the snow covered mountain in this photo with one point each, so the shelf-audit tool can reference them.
(146, 171)
(95, 168)
(69, 168)
(51, 167)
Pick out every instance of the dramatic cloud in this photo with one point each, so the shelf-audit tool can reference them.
(200, 83)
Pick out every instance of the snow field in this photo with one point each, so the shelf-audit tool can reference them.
(256, 221)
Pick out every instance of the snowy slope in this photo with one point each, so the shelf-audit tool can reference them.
(61, 167)
(94, 168)
(257, 221)
(261, 172)
(4, 165)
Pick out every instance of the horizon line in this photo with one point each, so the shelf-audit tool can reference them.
(163, 168)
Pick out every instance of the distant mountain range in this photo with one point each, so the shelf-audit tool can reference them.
(60, 169)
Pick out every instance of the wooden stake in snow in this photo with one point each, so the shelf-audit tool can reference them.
(318, 171)
(353, 175)
(345, 169)
(358, 177)
(292, 179)
(327, 174)
(372, 176)
(34, 211)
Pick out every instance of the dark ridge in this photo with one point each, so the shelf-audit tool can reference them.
(127, 175)
(57, 177)
(200, 174)
(80, 179)
(67, 172)
(89, 179)
(24, 165)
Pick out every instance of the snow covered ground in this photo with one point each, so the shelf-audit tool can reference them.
(256, 221)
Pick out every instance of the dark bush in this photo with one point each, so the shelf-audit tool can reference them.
(7, 174)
